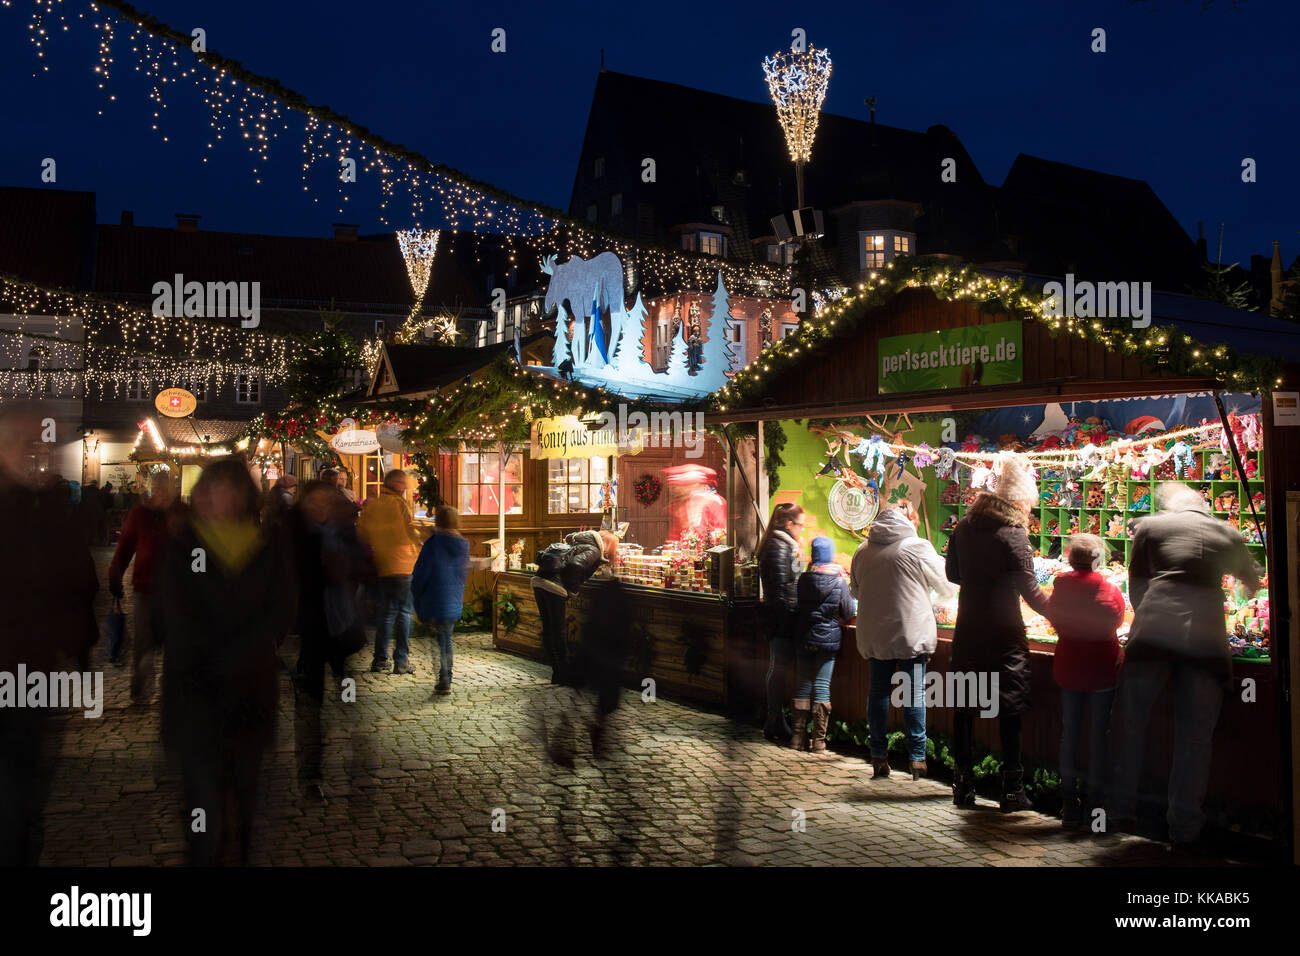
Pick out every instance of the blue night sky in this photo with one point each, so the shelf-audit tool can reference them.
(1179, 99)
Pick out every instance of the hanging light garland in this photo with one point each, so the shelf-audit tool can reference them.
(797, 83)
(1157, 346)
(254, 109)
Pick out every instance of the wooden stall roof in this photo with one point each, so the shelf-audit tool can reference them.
(843, 379)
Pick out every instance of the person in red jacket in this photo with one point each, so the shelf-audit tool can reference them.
(145, 532)
(1086, 610)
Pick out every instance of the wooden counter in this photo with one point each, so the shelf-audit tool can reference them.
(666, 624)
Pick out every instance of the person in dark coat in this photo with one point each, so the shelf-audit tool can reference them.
(90, 514)
(47, 586)
(604, 649)
(824, 607)
(438, 586)
(990, 558)
(1179, 632)
(224, 602)
(779, 565)
(562, 568)
(329, 560)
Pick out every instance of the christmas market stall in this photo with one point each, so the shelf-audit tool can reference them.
(917, 387)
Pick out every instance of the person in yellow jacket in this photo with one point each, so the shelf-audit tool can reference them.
(388, 528)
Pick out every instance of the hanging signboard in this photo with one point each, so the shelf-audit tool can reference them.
(570, 437)
(175, 402)
(953, 358)
(852, 508)
(1286, 408)
(355, 441)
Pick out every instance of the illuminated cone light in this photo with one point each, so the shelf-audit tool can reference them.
(797, 83)
(418, 247)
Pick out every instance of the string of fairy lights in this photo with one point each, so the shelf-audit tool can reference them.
(116, 348)
(1157, 346)
(255, 109)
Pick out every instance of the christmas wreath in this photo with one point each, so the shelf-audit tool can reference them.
(647, 489)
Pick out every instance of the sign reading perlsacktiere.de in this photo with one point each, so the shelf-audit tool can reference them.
(954, 358)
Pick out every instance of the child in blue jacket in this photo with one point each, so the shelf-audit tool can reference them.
(825, 605)
(438, 585)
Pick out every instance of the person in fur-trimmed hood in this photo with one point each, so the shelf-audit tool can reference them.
(990, 558)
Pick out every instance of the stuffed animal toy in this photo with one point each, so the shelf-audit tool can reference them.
(945, 463)
(1251, 467)
(1257, 499)
(951, 494)
(1094, 523)
(1182, 456)
(1115, 527)
(949, 523)
(1217, 468)
(874, 453)
(1250, 433)
(1142, 502)
(923, 457)
(1074, 524)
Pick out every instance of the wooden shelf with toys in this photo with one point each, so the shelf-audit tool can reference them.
(1107, 490)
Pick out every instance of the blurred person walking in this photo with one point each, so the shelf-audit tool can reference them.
(222, 605)
(438, 586)
(387, 527)
(824, 607)
(990, 558)
(145, 533)
(1176, 571)
(329, 560)
(278, 501)
(47, 587)
(893, 573)
(779, 567)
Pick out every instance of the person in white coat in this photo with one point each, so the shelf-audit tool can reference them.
(893, 573)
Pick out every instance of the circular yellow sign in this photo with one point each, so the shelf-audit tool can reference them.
(175, 402)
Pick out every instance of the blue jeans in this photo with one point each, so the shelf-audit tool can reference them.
(1072, 705)
(913, 714)
(443, 629)
(780, 650)
(394, 618)
(1198, 696)
(812, 673)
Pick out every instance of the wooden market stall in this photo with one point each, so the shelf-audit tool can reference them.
(848, 378)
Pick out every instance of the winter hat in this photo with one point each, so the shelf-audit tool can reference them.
(823, 552)
(1014, 484)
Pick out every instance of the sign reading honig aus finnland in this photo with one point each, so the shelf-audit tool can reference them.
(954, 358)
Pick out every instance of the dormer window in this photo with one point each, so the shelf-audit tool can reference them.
(877, 248)
(719, 213)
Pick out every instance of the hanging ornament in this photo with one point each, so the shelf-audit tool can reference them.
(923, 456)
(945, 463)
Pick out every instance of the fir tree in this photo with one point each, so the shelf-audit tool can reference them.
(719, 359)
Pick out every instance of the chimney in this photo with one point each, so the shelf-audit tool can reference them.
(187, 222)
(345, 231)
(128, 217)
(1201, 249)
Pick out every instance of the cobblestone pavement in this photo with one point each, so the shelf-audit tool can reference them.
(414, 779)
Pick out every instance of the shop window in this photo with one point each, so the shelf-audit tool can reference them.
(248, 389)
(372, 476)
(480, 483)
(135, 385)
(736, 338)
(573, 484)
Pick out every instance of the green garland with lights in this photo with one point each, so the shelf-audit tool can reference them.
(1160, 347)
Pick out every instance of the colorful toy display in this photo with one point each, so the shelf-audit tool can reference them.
(1142, 501)
(1115, 527)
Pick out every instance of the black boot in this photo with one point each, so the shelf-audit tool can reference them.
(963, 787)
(1014, 797)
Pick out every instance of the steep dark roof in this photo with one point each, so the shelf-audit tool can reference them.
(1096, 225)
(700, 140)
(47, 235)
(424, 368)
